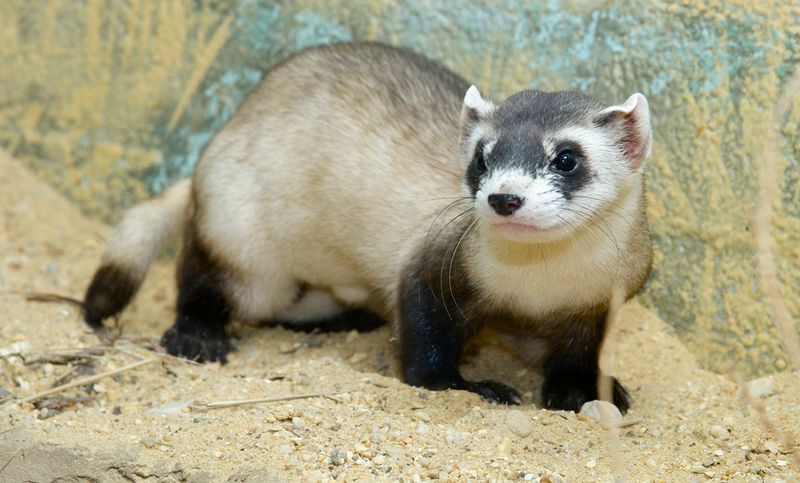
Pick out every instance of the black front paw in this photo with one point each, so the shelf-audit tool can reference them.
(196, 346)
(570, 393)
(492, 391)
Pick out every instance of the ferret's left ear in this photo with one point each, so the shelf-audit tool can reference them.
(632, 122)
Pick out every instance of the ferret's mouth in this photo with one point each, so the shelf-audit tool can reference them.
(514, 228)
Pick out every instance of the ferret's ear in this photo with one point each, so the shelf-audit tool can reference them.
(631, 120)
(474, 110)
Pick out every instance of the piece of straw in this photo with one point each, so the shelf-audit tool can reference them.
(86, 380)
(244, 402)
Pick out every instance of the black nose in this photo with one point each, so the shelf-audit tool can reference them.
(505, 204)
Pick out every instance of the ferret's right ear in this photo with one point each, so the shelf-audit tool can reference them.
(474, 110)
(632, 122)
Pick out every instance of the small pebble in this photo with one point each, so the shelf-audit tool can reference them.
(601, 411)
(698, 469)
(299, 423)
(422, 429)
(454, 436)
(518, 422)
(148, 441)
(772, 447)
(591, 464)
(760, 388)
(338, 456)
(422, 416)
(719, 432)
(286, 348)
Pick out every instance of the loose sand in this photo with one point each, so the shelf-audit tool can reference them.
(146, 423)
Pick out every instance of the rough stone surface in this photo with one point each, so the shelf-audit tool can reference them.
(117, 103)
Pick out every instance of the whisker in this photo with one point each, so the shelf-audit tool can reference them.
(427, 247)
(441, 272)
(452, 259)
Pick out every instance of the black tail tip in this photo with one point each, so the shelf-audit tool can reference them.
(112, 288)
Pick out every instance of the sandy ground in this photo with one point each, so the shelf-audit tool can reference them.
(149, 423)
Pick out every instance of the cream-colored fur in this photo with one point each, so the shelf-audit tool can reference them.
(146, 228)
(333, 189)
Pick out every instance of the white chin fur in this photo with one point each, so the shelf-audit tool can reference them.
(521, 232)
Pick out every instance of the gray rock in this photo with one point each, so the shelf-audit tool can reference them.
(519, 423)
(602, 412)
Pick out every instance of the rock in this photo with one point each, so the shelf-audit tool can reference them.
(454, 436)
(760, 388)
(422, 416)
(519, 423)
(422, 429)
(719, 432)
(698, 469)
(299, 423)
(286, 348)
(772, 447)
(602, 412)
(338, 456)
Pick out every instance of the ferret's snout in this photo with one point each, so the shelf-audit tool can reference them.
(505, 204)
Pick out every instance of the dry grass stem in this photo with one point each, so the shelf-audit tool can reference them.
(605, 390)
(785, 438)
(86, 380)
(762, 224)
(245, 402)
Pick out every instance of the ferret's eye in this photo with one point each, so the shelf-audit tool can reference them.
(479, 160)
(566, 162)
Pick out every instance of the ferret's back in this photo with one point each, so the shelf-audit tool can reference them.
(343, 155)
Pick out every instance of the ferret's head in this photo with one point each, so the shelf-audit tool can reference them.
(542, 164)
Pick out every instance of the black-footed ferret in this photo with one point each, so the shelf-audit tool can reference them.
(359, 169)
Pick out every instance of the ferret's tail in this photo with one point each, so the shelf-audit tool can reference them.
(141, 235)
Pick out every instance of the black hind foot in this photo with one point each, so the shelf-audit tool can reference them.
(570, 392)
(203, 310)
(357, 319)
(183, 340)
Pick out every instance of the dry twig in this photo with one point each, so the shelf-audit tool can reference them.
(243, 402)
(86, 380)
